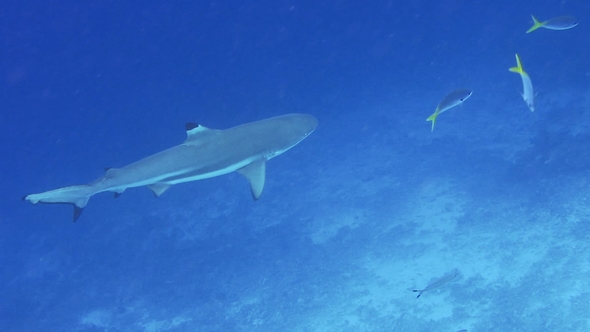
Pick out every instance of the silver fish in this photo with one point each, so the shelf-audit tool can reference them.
(451, 100)
(440, 282)
(557, 23)
(527, 85)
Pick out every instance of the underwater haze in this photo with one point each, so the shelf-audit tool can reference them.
(485, 216)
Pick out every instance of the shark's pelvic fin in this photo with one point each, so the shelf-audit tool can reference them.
(159, 188)
(255, 173)
(77, 212)
(79, 205)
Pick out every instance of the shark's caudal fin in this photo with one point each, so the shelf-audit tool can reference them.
(536, 25)
(76, 195)
(419, 291)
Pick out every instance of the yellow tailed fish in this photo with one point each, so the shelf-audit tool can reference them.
(557, 23)
(527, 86)
(449, 101)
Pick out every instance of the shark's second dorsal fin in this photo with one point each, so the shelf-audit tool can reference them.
(110, 172)
(255, 173)
(195, 131)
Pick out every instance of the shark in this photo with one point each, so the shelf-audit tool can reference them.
(205, 153)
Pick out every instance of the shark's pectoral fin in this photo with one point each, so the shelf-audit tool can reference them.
(159, 188)
(255, 173)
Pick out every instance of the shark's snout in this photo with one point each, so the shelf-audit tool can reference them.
(304, 123)
(311, 122)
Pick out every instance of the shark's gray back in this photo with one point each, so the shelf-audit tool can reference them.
(207, 150)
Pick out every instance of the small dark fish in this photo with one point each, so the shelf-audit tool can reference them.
(440, 282)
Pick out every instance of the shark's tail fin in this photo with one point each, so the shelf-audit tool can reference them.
(419, 291)
(76, 195)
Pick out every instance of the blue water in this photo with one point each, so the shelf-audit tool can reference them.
(369, 207)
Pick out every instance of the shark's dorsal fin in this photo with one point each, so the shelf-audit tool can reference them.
(255, 173)
(190, 126)
(195, 131)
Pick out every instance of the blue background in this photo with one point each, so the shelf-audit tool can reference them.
(367, 208)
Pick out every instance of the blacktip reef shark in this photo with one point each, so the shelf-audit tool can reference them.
(205, 153)
(451, 100)
(527, 86)
(558, 23)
